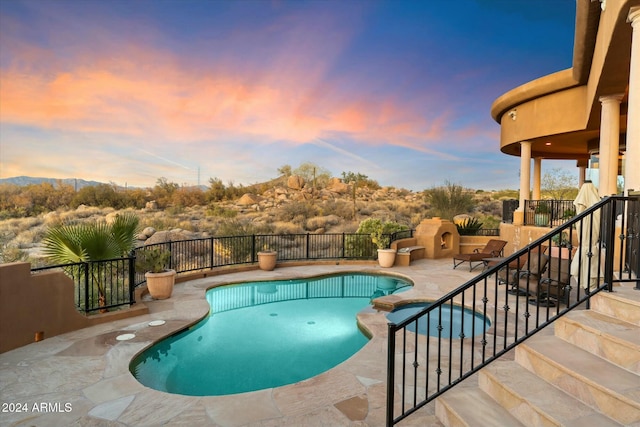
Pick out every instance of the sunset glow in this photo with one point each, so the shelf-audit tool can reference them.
(131, 91)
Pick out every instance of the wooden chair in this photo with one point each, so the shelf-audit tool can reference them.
(492, 249)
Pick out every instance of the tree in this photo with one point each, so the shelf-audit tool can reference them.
(285, 170)
(560, 184)
(92, 241)
(313, 173)
(353, 177)
(449, 200)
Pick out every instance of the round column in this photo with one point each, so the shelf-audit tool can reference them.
(609, 144)
(537, 171)
(525, 173)
(632, 172)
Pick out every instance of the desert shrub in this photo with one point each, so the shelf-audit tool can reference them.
(296, 212)
(340, 208)
(506, 194)
(490, 221)
(12, 254)
(31, 236)
(449, 200)
(321, 222)
(159, 222)
(490, 207)
(286, 228)
(216, 209)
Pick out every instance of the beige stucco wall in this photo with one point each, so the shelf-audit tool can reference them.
(556, 113)
(43, 303)
(519, 236)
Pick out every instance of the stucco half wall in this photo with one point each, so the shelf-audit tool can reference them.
(43, 304)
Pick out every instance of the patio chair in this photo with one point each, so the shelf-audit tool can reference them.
(556, 285)
(508, 274)
(528, 279)
(492, 249)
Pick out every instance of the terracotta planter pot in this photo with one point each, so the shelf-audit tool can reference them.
(267, 260)
(558, 252)
(160, 285)
(386, 257)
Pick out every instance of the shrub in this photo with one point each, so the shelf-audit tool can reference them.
(469, 227)
(153, 260)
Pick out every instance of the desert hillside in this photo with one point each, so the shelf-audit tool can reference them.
(286, 205)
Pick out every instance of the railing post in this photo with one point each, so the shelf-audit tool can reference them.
(344, 243)
(171, 252)
(86, 287)
(609, 239)
(391, 362)
(254, 253)
(132, 277)
(307, 246)
(211, 252)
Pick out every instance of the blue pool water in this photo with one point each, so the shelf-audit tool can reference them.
(451, 325)
(264, 334)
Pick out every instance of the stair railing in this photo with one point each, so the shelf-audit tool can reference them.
(450, 340)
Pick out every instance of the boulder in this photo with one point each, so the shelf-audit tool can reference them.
(336, 185)
(459, 219)
(295, 182)
(148, 231)
(249, 199)
(167, 236)
(151, 205)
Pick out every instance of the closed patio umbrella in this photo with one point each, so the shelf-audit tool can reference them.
(586, 272)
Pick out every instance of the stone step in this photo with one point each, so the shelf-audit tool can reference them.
(610, 338)
(623, 303)
(604, 386)
(535, 402)
(471, 407)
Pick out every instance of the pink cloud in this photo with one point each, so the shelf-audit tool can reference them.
(140, 90)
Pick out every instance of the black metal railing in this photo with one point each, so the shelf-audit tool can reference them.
(99, 285)
(548, 213)
(521, 294)
(540, 213)
(107, 284)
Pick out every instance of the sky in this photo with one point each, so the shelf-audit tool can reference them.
(130, 91)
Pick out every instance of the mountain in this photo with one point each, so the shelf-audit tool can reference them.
(22, 181)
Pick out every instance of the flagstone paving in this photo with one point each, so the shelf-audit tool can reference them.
(82, 378)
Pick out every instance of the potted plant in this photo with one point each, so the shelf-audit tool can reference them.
(380, 238)
(160, 280)
(541, 215)
(267, 258)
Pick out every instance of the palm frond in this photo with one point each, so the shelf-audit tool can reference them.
(124, 229)
(63, 244)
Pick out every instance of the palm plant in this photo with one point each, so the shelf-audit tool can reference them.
(93, 241)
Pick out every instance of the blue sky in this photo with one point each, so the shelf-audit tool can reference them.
(131, 91)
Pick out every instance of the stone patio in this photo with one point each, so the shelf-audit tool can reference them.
(83, 377)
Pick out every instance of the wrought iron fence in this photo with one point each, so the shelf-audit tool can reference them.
(99, 285)
(548, 213)
(521, 294)
(107, 284)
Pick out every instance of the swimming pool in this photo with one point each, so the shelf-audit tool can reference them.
(461, 321)
(265, 334)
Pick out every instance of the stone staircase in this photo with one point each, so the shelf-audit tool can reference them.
(582, 371)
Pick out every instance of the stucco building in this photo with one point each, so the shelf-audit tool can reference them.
(589, 113)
